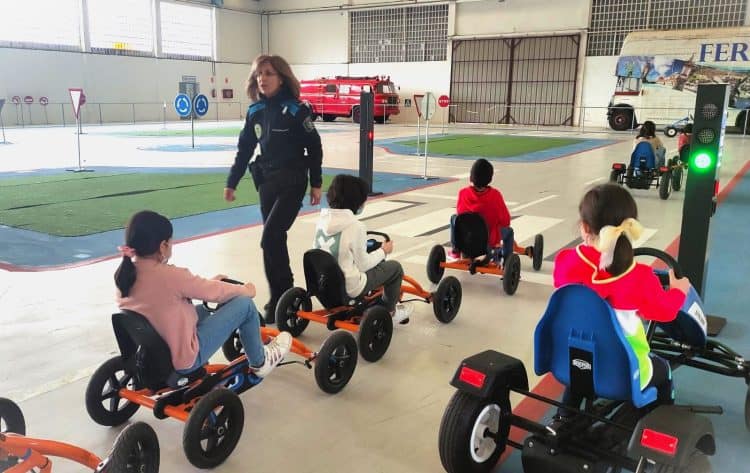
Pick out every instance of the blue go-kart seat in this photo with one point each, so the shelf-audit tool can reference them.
(580, 341)
(642, 158)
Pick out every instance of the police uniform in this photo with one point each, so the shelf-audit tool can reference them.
(290, 149)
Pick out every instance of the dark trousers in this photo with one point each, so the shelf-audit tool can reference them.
(281, 197)
(388, 274)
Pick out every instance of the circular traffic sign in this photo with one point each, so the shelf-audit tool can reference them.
(28, 99)
(182, 105)
(43, 100)
(16, 99)
(200, 104)
(444, 101)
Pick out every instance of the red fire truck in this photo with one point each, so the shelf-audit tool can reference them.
(331, 97)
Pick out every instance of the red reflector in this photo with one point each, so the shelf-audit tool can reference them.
(369, 135)
(716, 187)
(663, 169)
(659, 442)
(472, 377)
(617, 166)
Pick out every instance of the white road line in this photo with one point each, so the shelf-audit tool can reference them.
(425, 244)
(645, 236)
(446, 197)
(425, 223)
(371, 208)
(593, 181)
(536, 278)
(462, 176)
(415, 259)
(526, 226)
(533, 202)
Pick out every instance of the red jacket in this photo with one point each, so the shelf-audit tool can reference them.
(636, 289)
(488, 203)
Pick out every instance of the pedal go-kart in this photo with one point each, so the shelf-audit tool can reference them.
(364, 315)
(642, 172)
(135, 450)
(471, 241)
(621, 427)
(677, 126)
(684, 341)
(207, 399)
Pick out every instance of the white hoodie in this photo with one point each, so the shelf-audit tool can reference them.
(340, 233)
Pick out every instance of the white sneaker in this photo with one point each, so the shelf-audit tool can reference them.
(402, 313)
(275, 352)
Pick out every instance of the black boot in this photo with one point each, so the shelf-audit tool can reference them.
(269, 312)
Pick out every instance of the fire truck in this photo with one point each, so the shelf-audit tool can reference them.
(332, 97)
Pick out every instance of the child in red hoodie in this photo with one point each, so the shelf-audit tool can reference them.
(488, 202)
(604, 263)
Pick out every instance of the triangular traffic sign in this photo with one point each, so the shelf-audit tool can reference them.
(75, 98)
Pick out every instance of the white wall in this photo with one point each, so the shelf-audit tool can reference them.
(310, 38)
(598, 85)
(238, 36)
(520, 16)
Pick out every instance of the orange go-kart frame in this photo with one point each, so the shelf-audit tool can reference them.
(35, 451)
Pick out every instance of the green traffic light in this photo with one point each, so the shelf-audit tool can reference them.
(702, 161)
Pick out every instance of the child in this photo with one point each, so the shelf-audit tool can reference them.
(684, 138)
(648, 133)
(604, 262)
(488, 202)
(340, 233)
(162, 293)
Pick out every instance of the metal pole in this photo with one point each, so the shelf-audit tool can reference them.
(442, 132)
(164, 115)
(419, 135)
(744, 130)
(46, 117)
(62, 113)
(101, 121)
(132, 105)
(2, 126)
(426, 139)
(192, 128)
(78, 118)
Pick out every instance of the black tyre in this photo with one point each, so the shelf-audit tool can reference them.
(747, 409)
(670, 132)
(232, 348)
(103, 401)
(336, 361)
(512, 274)
(473, 433)
(135, 450)
(677, 179)
(538, 253)
(380, 119)
(11, 420)
(434, 270)
(327, 117)
(446, 300)
(665, 185)
(613, 175)
(621, 119)
(356, 115)
(213, 428)
(292, 301)
(375, 332)
(743, 122)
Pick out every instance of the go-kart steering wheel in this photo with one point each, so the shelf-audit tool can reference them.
(218, 306)
(671, 263)
(373, 244)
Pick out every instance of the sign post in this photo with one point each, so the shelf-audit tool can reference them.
(2, 125)
(200, 106)
(28, 100)
(16, 100)
(43, 101)
(428, 107)
(184, 107)
(77, 98)
(444, 101)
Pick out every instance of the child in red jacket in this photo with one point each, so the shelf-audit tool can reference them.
(488, 202)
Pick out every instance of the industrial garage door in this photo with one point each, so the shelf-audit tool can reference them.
(515, 80)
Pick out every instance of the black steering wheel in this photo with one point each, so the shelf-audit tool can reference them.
(375, 244)
(207, 305)
(671, 263)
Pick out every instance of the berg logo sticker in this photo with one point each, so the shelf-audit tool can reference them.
(581, 364)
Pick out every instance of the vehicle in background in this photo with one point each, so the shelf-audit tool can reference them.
(332, 97)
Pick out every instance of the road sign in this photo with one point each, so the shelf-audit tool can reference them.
(16, 99)
(28, 99)
(200, 104)
(182, 105)
(43, 100)
(77, 99)
(428, 105)
(444, 101)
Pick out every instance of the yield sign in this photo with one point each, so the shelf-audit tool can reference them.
(75, 98)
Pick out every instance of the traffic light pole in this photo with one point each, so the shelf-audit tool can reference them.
(702, 186)
(366, 137)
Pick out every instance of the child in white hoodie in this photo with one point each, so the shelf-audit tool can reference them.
(340, 233)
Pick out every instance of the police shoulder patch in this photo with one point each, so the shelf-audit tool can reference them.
(258, 130)
(308, 125)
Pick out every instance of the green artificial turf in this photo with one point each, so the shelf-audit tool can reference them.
(233, 131)
(85, 203)
(490, 146)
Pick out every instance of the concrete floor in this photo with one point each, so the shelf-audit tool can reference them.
(56, 325)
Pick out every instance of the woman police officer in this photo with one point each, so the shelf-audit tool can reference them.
(289, 149)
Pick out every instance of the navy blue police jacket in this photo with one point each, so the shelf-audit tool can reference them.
(283, 127)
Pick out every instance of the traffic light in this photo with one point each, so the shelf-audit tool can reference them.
(366, 137)
(702, 180)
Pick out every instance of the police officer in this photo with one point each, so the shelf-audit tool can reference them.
(290, 149)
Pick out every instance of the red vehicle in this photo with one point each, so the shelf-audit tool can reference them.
(331, 97)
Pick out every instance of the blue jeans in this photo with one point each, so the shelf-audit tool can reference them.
(506, 233)
(215, 328)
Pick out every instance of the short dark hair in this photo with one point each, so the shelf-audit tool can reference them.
(347, 192)
(481, 173)
(144, 233)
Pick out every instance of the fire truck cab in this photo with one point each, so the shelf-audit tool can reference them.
(331, 97)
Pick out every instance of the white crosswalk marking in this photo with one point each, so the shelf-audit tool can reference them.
(371, 208)
(425, 223)
(526, 226)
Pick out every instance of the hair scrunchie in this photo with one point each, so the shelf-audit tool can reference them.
(126, 251)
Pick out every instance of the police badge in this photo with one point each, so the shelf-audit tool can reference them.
(308, 124)
(258, 130)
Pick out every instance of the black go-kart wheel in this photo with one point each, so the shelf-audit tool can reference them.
(670, 132)
(232, 348)
(434, 270)
(473, 433)
(292, 301)
(11, 420)
(103, 401)
(213, 428)
(747, 409)
(677, 178)
(375, 332)
(537, 253)
(446, 300)
(614, 176)
(135, 450)
(665, 185)
(512, 274)
(336, 361)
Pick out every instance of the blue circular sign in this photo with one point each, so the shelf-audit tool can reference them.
(200, 104)
(182, 105)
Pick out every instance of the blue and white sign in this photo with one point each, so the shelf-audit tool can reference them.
(182, 105)
(200, 104)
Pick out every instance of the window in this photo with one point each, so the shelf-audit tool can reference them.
(186, 31)
(121, 27)
(406, 34)
(612, 20)
(44, 24)
(330, 88)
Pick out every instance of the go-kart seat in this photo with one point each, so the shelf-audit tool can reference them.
(642, 158)
(324, 278)
(580, 341)
(147, 354)
(471, 234)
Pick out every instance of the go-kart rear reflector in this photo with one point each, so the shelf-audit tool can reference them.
(618, 166)
(472, 377)
(663, 169)
(660, 442)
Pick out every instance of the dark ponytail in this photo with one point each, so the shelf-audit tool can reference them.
(610, 204)
(144, 233)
